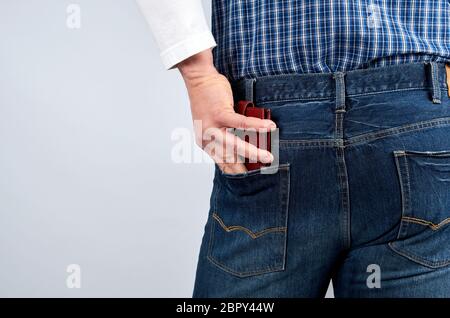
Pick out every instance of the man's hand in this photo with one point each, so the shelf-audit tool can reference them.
(211, 100)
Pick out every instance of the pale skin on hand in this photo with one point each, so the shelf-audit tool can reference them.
(211, 101)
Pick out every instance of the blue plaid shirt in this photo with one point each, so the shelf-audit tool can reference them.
(269, 37)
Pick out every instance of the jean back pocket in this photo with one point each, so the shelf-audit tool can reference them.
(249, 222)
(424, 232)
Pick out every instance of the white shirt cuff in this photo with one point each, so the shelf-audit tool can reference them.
(186, 48)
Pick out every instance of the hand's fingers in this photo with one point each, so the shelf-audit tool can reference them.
(234, 120)
(233, 168)
(225, 147)
(214, 144)
(246, 150)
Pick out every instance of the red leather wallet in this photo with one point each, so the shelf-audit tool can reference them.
(249, 109)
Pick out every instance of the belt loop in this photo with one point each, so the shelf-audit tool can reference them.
(340, 91)
(250, 89)
(435, 82)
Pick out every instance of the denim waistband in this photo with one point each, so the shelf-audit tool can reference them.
(337, 85)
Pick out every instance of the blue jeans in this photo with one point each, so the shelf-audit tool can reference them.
(361, 196)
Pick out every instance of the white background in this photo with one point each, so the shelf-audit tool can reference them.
(86, 117)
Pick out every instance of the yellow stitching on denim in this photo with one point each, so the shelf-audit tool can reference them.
(433, 226)
(250, 233)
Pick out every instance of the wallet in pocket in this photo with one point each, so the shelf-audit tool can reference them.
(249, 109)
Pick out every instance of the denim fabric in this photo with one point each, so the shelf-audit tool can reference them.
(363, 181)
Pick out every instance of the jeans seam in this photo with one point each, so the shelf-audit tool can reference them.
(262, 102)
(213, 224)
(330, 143)
(424, 88)
(436, 122)
(311, 143)
(342, 169)
(345, 201)
(330, 97)
(286, 202)
(407, 209)
(416, 259)
(403, 197)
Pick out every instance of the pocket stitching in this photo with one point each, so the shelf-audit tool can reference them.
(404, 191)
(253, 235)
(441, 153)
(246, 273)
(405, 253)
(267, 270)
(251, 173)
(406, 220)
(431, 225)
